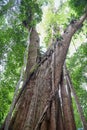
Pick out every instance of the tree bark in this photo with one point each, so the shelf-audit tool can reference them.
(69, 122)
(33, 52)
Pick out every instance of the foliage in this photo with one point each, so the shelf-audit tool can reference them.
(13, 48)
(52, 19)
(13, 38)
(52, 16)
(80, 6)
(30, 12)
(76, 115)
(5, 6)
(77, 65)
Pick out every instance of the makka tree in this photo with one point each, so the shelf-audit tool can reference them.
(45, 101)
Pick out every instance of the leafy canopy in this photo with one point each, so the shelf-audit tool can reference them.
(30, 12)
(80, 6)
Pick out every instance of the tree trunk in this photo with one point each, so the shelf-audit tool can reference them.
(69, 122)
(37, 104)
(84, 123)
(33, 52)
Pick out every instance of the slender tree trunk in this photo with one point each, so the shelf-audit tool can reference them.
(36, 100)
(33, 52)
(84, 123)
(53, 109)
(69, 122)
(59, 114)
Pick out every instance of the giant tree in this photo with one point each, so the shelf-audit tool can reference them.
(39, 105)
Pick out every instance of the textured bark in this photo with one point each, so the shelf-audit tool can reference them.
(59, 113)
(36, 109)
(84, 123)
(34, 99)
(69, 122)
(33, 52)
(53, 108)
(23, 108)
